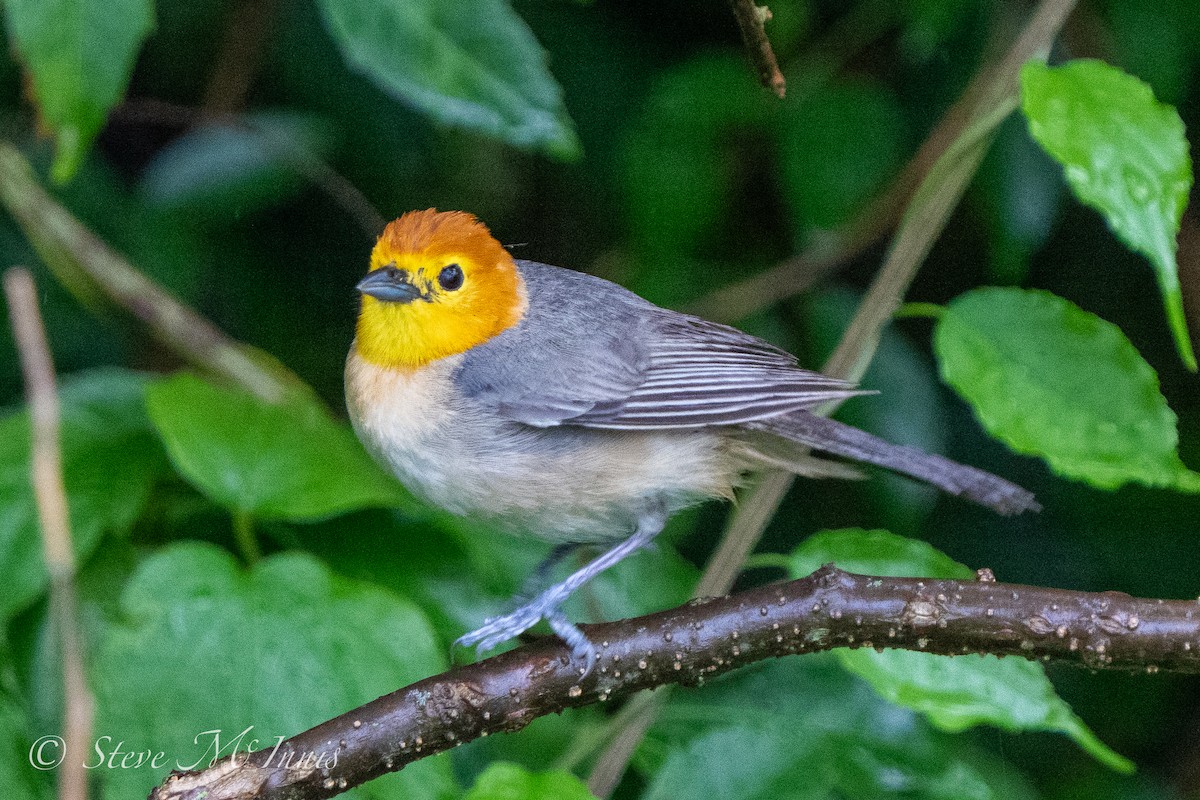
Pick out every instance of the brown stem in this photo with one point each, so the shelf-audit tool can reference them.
(302, 159)
(55, 525)
(700, 640)
(84, 264)
(940, 173)
(750, 18)
(245, 34)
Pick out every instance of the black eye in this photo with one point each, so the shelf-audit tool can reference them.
(451, 277)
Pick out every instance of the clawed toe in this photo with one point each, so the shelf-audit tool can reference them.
(502, 629)
(499, 630)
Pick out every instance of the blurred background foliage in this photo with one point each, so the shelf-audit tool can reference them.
(246, 169)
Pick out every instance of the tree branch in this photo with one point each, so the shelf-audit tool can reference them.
(89, 269)
(698, 641)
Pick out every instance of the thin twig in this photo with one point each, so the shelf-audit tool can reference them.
(303, 160)
(695, 642)
(245, 34)
(927, 212)
(55, 524)
(84, 264)
(750, 18)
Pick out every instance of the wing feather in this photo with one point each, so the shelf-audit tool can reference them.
(700, 373)
(590, 353)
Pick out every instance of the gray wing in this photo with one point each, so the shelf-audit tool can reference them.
(591, 353)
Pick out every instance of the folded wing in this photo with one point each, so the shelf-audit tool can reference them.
(590, 353)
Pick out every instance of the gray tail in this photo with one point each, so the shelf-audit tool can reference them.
(831, 436)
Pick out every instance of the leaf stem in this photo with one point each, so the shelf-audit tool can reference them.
(925, 310)
(247, 541)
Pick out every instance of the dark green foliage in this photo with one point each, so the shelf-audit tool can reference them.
(629, 140)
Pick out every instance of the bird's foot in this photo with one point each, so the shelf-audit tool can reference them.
(546, 606)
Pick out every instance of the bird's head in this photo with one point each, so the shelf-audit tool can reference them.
(439, 284)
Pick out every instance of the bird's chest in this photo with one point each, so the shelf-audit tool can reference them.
(441, 445)
(566, 483)
(410, 421)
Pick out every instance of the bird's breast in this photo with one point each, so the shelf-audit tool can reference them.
(564, 483)
(406, 418)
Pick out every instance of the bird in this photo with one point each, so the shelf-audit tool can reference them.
(555, 403)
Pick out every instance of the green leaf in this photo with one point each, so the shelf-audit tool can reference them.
(954, 693)
(208, 646)
(472, 63)
(19, 751)
(79, 54)
(1124, 154)
(875, 552)
(227, 170)
(505, 781)
(98, 586)
(429, 566)
(111, 461)
(964, 691)
(286, 461)
(803, 728)
(1052, 380)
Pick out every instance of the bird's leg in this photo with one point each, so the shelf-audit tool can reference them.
(547, 605)
(538, 578)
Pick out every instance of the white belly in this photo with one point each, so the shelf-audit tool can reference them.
(562, 483)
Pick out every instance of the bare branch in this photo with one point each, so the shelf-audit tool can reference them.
(88, 268)
(750, 19)
(55, 525)
(304, 160)
(695, 642)
(246, 33)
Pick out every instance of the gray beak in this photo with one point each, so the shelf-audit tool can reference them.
(390, 285)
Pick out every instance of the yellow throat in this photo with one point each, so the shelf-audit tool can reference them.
(464, 289)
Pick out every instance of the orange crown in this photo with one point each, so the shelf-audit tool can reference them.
(444, 321)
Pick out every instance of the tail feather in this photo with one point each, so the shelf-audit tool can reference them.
(831, 436)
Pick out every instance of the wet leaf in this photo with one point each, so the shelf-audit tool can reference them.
(1124, 154)
(1052, 380)
(473, 63)
(953, 693)
(269, 651)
